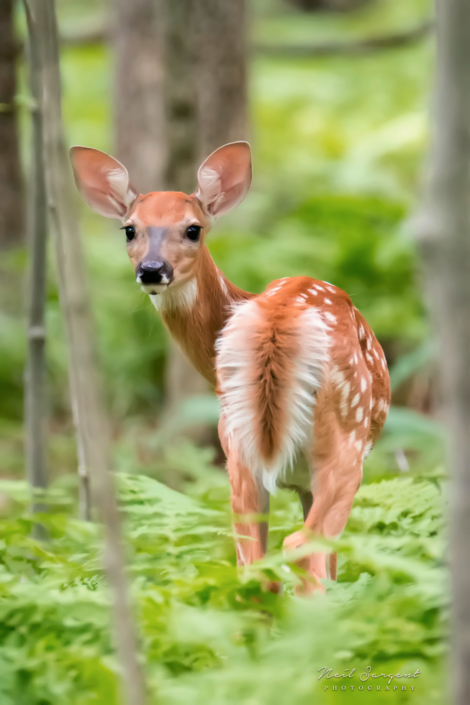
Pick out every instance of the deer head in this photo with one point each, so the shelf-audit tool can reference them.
(165, 230)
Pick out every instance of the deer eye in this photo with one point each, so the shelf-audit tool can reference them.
(193, 232)
(130, 232)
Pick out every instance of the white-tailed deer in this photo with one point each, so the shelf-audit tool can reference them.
(297, 368)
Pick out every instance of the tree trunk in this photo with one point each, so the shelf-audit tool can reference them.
(35, 401)
(87, 397)
(139, 91)
(11, 184)
(221, 73)
(443, 233)
(196, 103)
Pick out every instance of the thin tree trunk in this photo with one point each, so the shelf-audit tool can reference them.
(11, 182)
(86, 388)
(222, 80)
(35, 401)
(139, 91)
(443, 233)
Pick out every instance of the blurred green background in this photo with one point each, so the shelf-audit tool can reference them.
(338, 144)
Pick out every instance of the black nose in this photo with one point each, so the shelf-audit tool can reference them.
(152, 272)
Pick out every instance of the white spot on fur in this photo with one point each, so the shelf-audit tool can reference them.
(223, 285)
(336, 376)
(313, 292)
(273, 290)
(329, 316)
(359, 414)
(352, 437)
(361, 332)
(235, 352)
(358, 445)
(367, 449)
(355, 401)
(370, 358)
(175, 297)
(366, 422)
(327, 301)
(383, 406)
(363, 384)
(344, 398)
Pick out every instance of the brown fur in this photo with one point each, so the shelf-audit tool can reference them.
(276, 345)
(196, 330)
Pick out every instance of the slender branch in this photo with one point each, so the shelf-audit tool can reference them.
(35, 402)
(95, 35)
(87, 397)
(356, 47)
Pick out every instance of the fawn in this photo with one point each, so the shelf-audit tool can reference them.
(296, 368)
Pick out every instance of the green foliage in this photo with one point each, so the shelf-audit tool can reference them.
(337, 147)
(210, 633)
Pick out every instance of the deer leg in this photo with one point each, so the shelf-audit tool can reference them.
(249, 499)
(306, 500)
(336, 481)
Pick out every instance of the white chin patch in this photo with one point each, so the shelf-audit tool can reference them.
(176, 297)
(153, 289)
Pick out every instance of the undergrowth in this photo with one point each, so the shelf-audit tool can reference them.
(209, 632)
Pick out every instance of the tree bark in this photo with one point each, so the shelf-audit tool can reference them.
(35, 401)
(443, 233)
(86, 388)
(11, 182)
(222, 81)
(139, 91)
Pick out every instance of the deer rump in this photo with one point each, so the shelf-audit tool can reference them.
(271, 360)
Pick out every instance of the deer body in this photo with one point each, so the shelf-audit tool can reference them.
(297, 368)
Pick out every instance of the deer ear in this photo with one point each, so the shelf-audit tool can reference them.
(102, 181)
(224, 178)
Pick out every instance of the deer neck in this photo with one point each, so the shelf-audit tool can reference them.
(195, 312)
